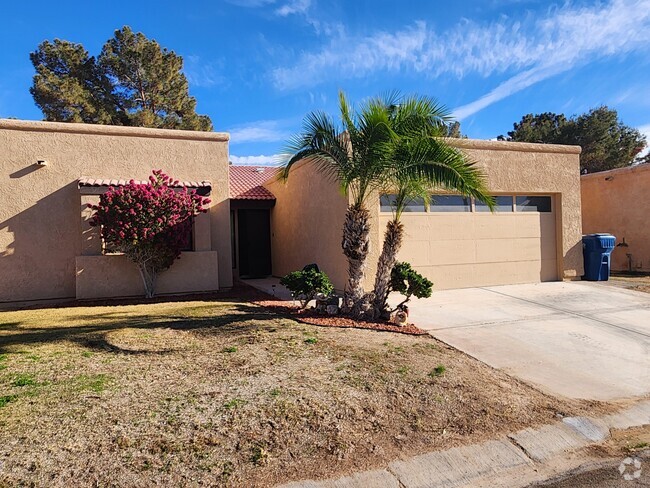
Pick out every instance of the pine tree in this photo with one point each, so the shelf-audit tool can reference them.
(134, 82)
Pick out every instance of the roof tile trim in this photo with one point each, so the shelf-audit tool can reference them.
(85, 182)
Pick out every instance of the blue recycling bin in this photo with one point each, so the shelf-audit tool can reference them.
(597, 250)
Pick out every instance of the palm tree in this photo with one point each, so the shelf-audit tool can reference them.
(420, 160)
(353, 154)
(389, 141)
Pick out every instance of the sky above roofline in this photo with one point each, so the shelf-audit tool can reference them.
(258, 66)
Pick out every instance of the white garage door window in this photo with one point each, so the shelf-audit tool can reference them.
(457, 242)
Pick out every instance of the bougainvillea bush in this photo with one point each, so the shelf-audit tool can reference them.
(149, 222)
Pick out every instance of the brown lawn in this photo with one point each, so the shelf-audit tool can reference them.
(638, 282)
(227, 393)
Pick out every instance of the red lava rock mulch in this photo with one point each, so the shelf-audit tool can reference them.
(310, 317)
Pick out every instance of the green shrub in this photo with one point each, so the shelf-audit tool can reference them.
(306, 284)
(405, 280)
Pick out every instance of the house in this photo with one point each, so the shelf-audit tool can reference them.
(617, 202)
(48, 251)
(534, 236)
(259, 226)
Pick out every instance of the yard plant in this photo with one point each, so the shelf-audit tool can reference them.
(390, 143)
(149, 222)
(305, 284)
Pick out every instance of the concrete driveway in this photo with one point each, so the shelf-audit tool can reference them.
(577, 339)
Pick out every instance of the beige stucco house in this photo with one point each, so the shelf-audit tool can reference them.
(259, 226)
(617, 202)
(534, 236)
(47, 249)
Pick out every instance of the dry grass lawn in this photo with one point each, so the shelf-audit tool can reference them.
(638, 282)
(227, 393)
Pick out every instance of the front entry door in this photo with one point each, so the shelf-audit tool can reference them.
(254, 229)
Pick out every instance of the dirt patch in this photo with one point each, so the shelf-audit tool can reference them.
(225, 392)
(638, 282)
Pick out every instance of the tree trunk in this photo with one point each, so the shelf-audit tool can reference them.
(392, 244)
(356, 246)
(148, 275)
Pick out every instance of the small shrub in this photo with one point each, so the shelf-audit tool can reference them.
(311, 340)
(405, 280)
(306, 284)
(229, 349)
(276, 392)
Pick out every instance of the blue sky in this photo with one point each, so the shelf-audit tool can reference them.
(257, 66)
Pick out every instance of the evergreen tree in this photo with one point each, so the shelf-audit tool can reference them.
(606, 142)
(133, 82)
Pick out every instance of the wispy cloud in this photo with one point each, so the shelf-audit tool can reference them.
(261, 160)
(260, 131)
(534, 48)
(294, 7)
(202, 73)
(251, 3)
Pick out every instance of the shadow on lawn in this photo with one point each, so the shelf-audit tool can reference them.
(237, 320)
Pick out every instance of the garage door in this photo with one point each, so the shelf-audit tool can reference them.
(457, 243)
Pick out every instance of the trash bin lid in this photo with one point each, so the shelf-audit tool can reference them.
(599, 241)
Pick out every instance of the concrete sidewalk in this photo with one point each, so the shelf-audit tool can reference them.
(517, 460)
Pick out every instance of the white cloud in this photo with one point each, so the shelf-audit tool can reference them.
(534, 48)
(261, 160)
(251, 3)
(260, 131)
(202, 73)
(294, 7)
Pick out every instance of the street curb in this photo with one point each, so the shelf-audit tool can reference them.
(517, 460)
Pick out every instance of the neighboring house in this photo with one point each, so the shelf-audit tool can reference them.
(617, 202)
(259, 226)
(47, 248)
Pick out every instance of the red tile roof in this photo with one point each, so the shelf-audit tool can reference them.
(246, 182)
(83, 181)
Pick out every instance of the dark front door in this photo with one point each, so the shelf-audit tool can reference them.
(254, 243)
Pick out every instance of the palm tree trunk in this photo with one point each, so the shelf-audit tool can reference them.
(356, 246)
(392, 244)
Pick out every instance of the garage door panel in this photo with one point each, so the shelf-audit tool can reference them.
(415, 226)
(526, 249)
(493, 250)
(458, 249)
(449, 276)
(451, 227)
(494, 226)
(528, 225)
(415, 252)
(452, 252)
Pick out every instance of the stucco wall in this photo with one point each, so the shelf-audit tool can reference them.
(617, 202)
(304, 232)
(40, 207)
(306, 224)
(115, 276)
